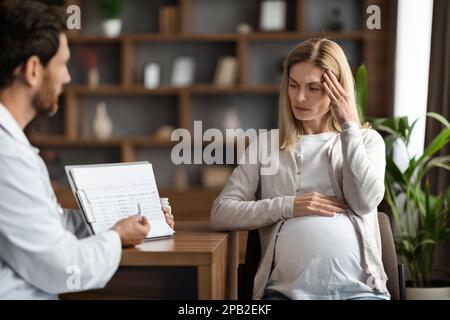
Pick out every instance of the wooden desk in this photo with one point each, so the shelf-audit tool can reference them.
(196, 263)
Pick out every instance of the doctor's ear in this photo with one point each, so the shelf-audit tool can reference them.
(30, 72)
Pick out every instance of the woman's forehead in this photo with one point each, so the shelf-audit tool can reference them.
(305, 72)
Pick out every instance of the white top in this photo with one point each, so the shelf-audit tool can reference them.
(40, 257)
(317, 257)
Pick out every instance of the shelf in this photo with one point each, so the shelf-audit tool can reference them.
(59, 141)
(120, 90)
(226, 37)
(92, 39)
(355, 35)
(137, 141)
(206, 89)
(258, 89)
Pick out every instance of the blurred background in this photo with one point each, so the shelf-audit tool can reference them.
(192, 39)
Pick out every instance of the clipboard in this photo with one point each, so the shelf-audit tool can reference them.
(107, 193)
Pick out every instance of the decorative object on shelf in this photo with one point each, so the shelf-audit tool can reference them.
(231, 119)
(89, 57)
(183, 71)
(181, 179)
(164, 133)
(102, 124)
(152, 74)
(168, 19)
(335, 22)
(110, 11)
(273, 15)
(226, 72)
(215, 176)
(244, 28)
(93, 78)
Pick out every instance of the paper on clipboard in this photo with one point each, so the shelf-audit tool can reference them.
(111, 192)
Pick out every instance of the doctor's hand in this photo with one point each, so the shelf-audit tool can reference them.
(132, 230)
(169, 217)
(315, 203)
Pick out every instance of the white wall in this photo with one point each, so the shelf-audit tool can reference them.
(414, 23)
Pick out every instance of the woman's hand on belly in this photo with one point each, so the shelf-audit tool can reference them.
(315, 203)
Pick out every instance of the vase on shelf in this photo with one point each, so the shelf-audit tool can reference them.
(112, 27)
(93, 78)
(102, 124)
(111, 12)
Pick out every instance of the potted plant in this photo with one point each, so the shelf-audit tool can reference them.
(420, 217)
(110, 11)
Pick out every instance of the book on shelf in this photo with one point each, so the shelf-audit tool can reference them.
(168, 19)
(226, 72)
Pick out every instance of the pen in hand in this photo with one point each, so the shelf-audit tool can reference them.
(139, 213)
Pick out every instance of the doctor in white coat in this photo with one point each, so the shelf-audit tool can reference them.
(44, 250)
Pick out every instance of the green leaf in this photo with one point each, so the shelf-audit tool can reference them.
(424, 243)
(361, 83)
(404, 128)
(393, 170)
(390, 141)
(435, 146)
(110, 9)
(439, 118)
(388, 125)
(438, 162)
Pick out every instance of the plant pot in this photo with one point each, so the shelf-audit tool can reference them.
(112, 27)
(440, 292)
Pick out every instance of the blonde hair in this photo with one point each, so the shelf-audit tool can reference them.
(325, 54)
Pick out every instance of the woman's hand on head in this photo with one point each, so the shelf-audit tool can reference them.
(315, 203)
(342, 106)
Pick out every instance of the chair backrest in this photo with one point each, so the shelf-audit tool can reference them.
(389, 256)
(247, 271)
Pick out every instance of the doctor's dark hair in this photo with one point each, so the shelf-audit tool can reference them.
(27, 28)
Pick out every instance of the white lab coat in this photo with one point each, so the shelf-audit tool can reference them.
(44, 250)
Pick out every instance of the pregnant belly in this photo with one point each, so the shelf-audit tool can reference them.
(317, 237)
(317, 257)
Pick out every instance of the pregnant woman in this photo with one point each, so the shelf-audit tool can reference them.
(317, 215)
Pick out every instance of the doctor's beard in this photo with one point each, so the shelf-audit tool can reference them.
(45, 102)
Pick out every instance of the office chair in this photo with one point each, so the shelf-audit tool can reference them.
(394, 271)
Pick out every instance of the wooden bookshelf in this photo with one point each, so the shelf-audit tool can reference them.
(273, 36)
(171, 90)
(121, 60)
